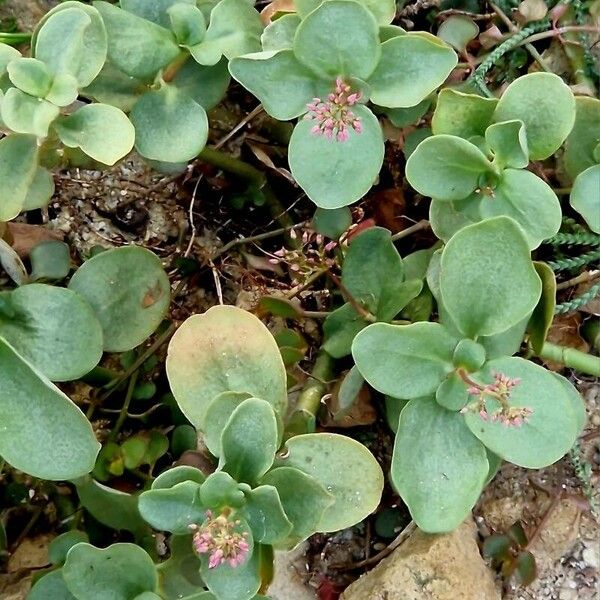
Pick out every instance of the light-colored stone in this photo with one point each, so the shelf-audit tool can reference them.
(591, 555)
(288, 583)
(430, 567)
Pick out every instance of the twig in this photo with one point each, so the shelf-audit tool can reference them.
(123, 412)
(307, 283)
(255, 238)
(191, 218)
(398, 541)
(423, 224)
(348, 297)
(239, 126)
(583, 278)
(557, 32)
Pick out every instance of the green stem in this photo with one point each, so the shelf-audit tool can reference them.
(254, 177)
(316, 386)
(174, 67)
(574, 359)
(124, 409)
(14, 39)
(233, 165)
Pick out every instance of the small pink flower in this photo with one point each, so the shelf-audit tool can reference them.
(333, 117)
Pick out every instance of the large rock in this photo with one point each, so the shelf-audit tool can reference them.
(430, 567)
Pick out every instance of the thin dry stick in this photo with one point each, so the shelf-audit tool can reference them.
(423, 224)
(558, 32)
(585, 277)
(400, 539)
(191, 218)
(239, 126)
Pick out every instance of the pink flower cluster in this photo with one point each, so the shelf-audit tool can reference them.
(333, 117)
(500, 390)
(218, 538)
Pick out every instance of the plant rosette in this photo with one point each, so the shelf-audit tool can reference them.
(470, 404)
(474, 166)
(323, 65)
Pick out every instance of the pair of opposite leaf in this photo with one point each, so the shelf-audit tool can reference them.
(474, 166)
(447, 446)
(304, 54)
(50, 333)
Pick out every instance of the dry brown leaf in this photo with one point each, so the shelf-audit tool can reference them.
(362, 411)
(265, 159)
(565, 332)
(23, 237)
(389, 207)
(277, 6)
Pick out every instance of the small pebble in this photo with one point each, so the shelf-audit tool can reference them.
(591, 556)
(567, 594)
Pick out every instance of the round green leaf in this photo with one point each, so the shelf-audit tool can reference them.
(234, 583)
(332, 223)
(30, 76)
(482, 266)
(282, 84)
(452, 392)
(577, 402)
(205, 85)
(71, 39)
(446, 167)
(547, 434)
(50, 586)
(339, 38)
(55, 329)
(18, 167)
(26, 114)
(187, 23)
(173, 509)
(169, 125)
(530, 201)
(64, 90)
(235, 29)
(225, 349)
(411, 67)
(129, 291)
(119, 572)
(585, 196)
(345, 468)
(176, 475)
(42, 433)
(438, 467)
(136, 46)
(279, 34)
(249, 441)
(463, 115)
(458, 31)
(547, 107)
(383, 10)
(103, 132)
(304, 500)
(114, 87)
(417, 357)
(156, 11)
(469, 355)
(332, 173)
(584, 137)
(340, 328)
(60, 545)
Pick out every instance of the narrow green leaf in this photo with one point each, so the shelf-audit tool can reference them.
(543, 314)
(585, 196)
(584, 137)
(249, 441)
